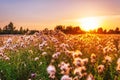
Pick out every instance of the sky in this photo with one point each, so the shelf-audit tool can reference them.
(39, 14)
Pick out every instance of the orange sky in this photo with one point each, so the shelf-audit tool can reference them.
(34, 14)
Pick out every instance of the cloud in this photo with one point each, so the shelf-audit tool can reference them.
(100, 17)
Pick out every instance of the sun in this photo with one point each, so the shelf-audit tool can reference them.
(89, 23)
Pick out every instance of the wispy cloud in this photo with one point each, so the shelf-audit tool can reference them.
(100, 17)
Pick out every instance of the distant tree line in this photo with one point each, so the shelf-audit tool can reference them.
(69, 29)
(11, 29)
(78, 30)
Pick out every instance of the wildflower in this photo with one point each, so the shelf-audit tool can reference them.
(118, 68)
(79, 71)
(9, 41)
(66, 77)
(33, 75)
(30, 51)
(118, 61)
(68, 53)
(93, 56)
(76, 78)
(36, 58)
(22, 44)
(64, 46)
(1, 54)
(77, 61)
(44, 53)
(56, 55)
(52, 61)
(80, 62)
(118, 65)
(76, 54)
(40, 63)
(100, 68)
(6, 58)
(108, 59)
(93, 61)
(84, 74)
(51, 71)
(44, 43)
(85, 61)
(90, 77)
(105, 50)
(64, 67)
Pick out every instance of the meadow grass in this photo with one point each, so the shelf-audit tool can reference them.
(31, 62)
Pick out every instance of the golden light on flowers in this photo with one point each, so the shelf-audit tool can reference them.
(72, 56)
(89, 23)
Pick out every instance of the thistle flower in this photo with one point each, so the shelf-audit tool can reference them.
(90, 77)
(64, 67)
(56, 55)
(108, 59)
(118, 68)
(66, 77)
(79, 71)
(51, 71)
(80, 62)
(33, 75)
(100, 68)
(85, 61)
(30, 51)
(1, 54)
(44, 43)
(93, 61)
(9, 41)
(77, 61)
(44, 53)
(40, 63)
(76, 78)
(6, 57)
(36, 58)
(76, 54)
(118, 61)
(93, 56)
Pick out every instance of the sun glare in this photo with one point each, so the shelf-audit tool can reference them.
(89, 23)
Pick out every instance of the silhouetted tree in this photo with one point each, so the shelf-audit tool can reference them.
(76, 29)
(21, 30)
(9, 29)
(105, 31)
(111, 31)
(69, 29)
(59, 27)
(0, 31)
(100, 30)
(25, 31)
(33, 31)
(117, 30)
(5, 30)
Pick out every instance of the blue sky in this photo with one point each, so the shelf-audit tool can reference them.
(37, 14)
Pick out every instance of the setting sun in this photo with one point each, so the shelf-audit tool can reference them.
(89, 23)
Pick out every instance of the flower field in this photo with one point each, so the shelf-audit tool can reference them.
(53, 55)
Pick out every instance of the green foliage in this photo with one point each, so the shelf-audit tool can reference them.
(30, 60)
(22, 64)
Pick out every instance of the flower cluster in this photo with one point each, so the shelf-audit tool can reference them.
(64, 56)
